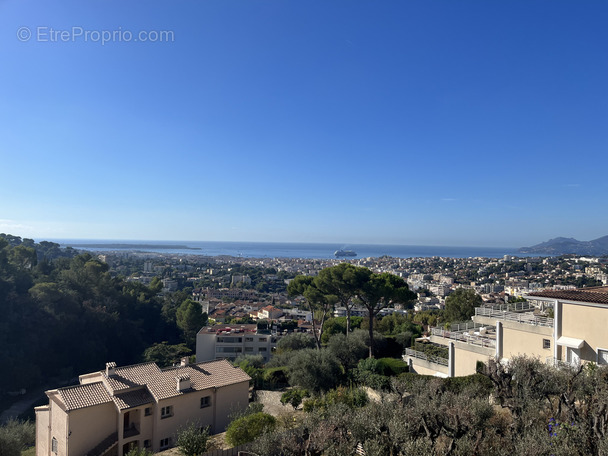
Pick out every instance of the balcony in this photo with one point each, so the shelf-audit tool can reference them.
(524, 313)
(130, 431)
(470, 333)
(423, 356)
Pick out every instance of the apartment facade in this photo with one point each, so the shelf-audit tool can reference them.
(575, 334)
(142, 406)
(230, 341)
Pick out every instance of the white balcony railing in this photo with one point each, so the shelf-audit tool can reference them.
(430, 358)
(467, 337)
(514, 307)
(527, 318)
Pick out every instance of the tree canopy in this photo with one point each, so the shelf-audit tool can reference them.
(342, 281)
(380, 291)
(63, 314)
(460, 305)
(190, 318)
(317, 302)
(348, 285)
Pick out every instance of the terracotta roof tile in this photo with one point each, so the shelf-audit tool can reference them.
(133, 398)
(140, 384)
(202, 376)
(162, 383)
(81, 396)
(595, 295)
(130, 376)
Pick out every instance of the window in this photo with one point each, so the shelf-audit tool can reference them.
(54, 445)
(248, 339)
(147, 443)
(230, 340)
(263, 339)
(164, 443)
(228, 349)
(248, 349)
(166, 412)
(262, 349)
(148, 411)
(602, 356)
(546, 343)
(205, 401)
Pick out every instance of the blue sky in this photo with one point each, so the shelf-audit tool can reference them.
(405, 122)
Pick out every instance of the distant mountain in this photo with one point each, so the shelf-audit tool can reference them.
(563, 246)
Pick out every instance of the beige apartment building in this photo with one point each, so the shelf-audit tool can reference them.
(229, 341)
(139, 406)
(575, 334)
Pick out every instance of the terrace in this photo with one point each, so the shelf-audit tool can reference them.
(469, 332)
(520, 312)
(426, 357)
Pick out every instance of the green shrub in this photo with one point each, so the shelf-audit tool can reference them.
(431, 349)
(295, 341)
(248, 428)
(294, 397)
(337, 325)
(351, 397)
(370, 372)
(409, 381)
(388, 346)
(481, 383)
(16, 436)
(314, 370)
(393, 366)
(253, 366)
(253, 407)
(192, 440)
(275, 376)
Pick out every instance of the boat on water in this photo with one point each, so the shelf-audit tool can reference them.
(345, 253)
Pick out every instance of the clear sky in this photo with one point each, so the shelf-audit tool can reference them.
(472, 123)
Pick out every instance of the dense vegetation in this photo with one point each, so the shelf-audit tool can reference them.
(345, 286)
(63, 314)
(16, 436)
(526, 407)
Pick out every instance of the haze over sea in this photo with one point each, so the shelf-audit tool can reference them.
(285, 249)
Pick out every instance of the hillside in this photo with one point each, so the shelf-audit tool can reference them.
(563, 246)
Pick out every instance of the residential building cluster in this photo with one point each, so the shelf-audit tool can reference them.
(531, 306)
(564, 326)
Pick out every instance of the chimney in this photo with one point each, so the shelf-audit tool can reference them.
(183, 362)
(183, 382)
(110, 369)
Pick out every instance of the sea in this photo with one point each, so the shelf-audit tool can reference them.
(285, 249)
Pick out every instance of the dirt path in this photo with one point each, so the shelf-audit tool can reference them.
(22, 405)
(272, 402)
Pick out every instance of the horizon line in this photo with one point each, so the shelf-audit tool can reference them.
(88, 240)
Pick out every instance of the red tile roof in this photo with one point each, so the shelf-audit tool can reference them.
(594, 295)
(132, 386)
(162, 383)
(81, 396)
(133, 398)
